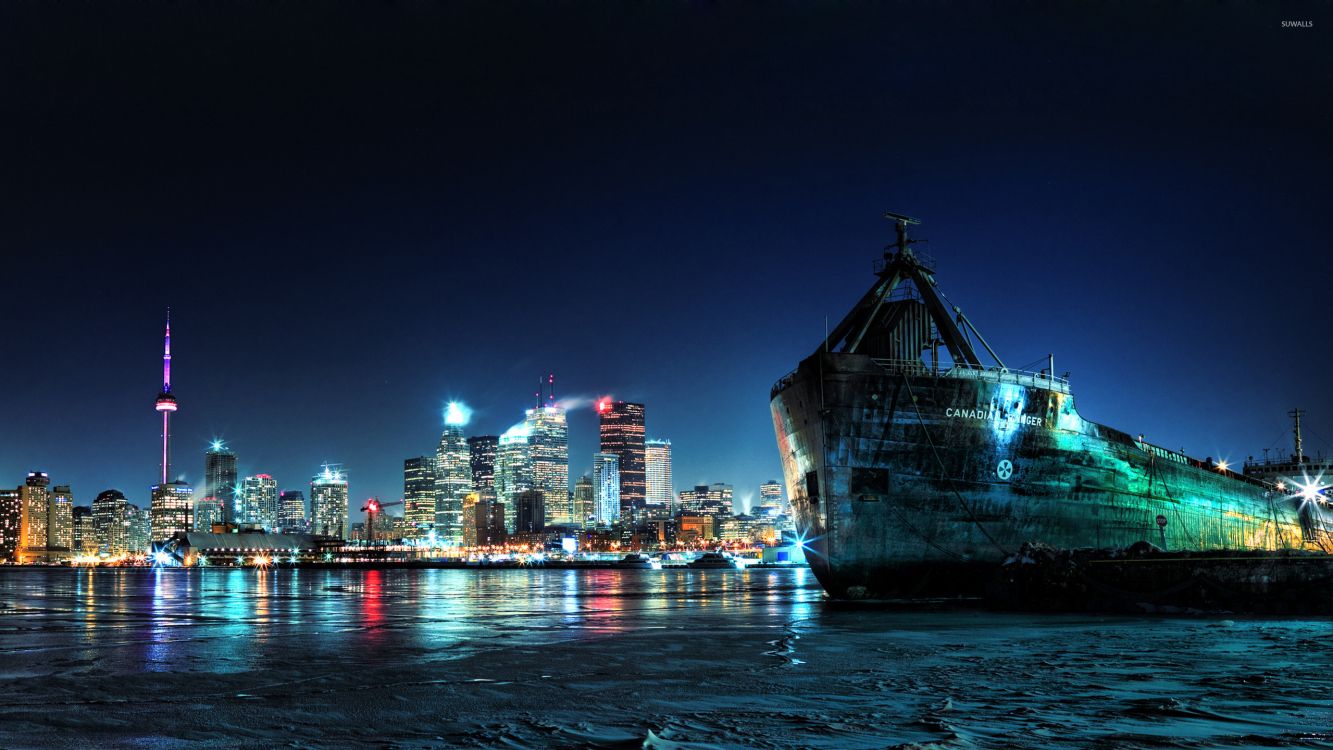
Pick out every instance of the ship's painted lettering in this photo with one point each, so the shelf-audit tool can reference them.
(992, 415)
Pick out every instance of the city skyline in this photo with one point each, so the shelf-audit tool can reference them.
(628, 227)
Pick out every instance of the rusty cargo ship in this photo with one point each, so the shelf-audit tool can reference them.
(914, 468)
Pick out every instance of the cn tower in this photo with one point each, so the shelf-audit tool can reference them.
(166, 403)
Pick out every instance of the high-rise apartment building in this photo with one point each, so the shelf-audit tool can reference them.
(585, 502)
(11, 523)
(60, 519)
(259, 502)
(111, 523)
(35, 512)
(606, 483)
(291, 511)
(657, 478)
(419, 496)
(548, 450)
(482, 453)
(328, 502)
(622, 433)
(218, 504)
(453, 476)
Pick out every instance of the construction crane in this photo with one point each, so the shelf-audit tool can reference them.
(372, 509)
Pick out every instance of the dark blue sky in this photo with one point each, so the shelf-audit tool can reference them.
(359, 212)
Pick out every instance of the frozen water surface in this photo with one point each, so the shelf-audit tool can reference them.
(659, 659)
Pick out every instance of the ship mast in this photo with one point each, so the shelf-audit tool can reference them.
(882, 327)
(1295, 414)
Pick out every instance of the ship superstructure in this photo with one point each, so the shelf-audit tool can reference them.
(913, 466)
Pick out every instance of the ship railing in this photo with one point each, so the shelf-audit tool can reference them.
(980, 373)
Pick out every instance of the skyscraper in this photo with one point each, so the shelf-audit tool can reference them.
(419, 495)
(60, 519)
(219, 487)
(259, 501)
(35, 510)
(481, 452)
(585, 502)
(110, 522)
(328, 502)
(172, 508)
(622, 434)
(11, 521)
(657, 470)
(513, 470)
(453, 476)
(548, 449)
(606, 483)
(291, 511)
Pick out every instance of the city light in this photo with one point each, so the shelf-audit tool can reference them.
(456, 414)
(1222, 465)
(161, 558)
(217, 445)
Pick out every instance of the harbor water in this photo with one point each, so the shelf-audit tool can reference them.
(234, 658)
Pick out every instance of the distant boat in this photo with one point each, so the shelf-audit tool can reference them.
(634, 561)
(713, 561)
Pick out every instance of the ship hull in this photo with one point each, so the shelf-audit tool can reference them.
(907, 483)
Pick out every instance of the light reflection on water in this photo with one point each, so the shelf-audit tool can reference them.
(224, 657)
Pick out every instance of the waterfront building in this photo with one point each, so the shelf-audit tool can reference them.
(111, 522)
(328, 502)
(138, 527)
(482, 452)
(11, 522)
(419, 495)
(60, 519)
(171, 511)
(259, 502)
(470, 519)
(218, 504)
(513, 469)
(530, 512)
(85, 533)
(692, 528)
(490, 521)
(453, 476)
(659, 496)
(35, 509)
(291, 512)
(585, 502)
(622, 434)
(606, 485)
(707, 500)
(770, 499)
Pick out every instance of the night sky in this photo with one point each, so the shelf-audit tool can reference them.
(358, 212)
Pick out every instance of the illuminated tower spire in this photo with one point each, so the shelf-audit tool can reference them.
(166, 403)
